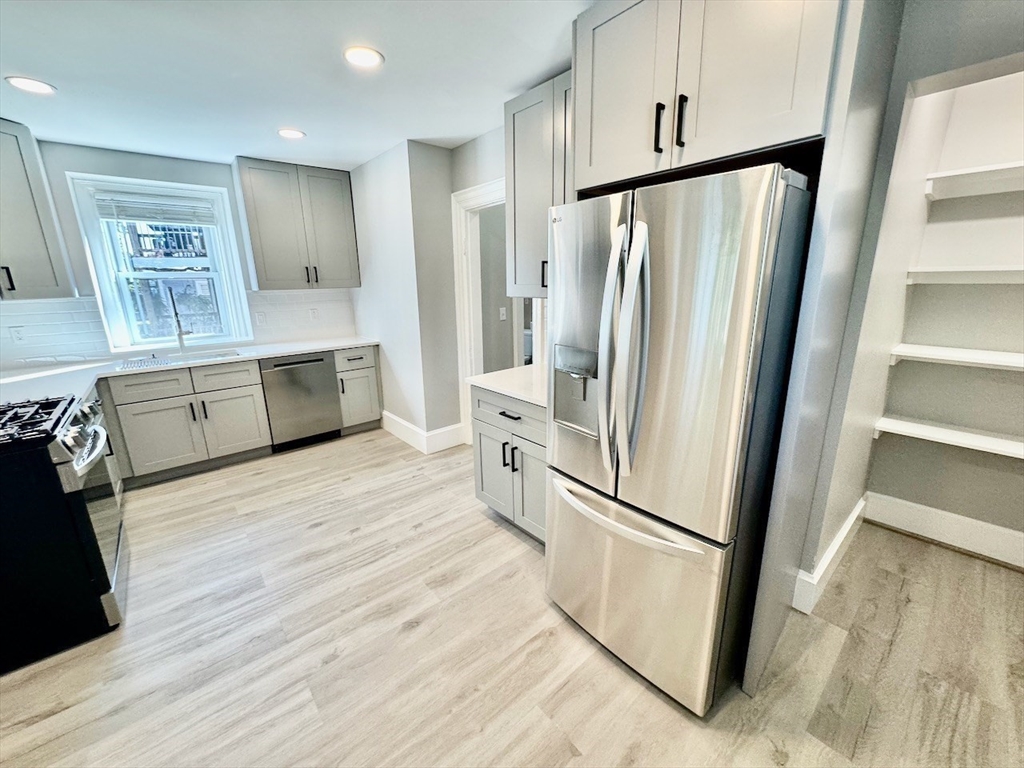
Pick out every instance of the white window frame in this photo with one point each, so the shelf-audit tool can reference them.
(107, 281)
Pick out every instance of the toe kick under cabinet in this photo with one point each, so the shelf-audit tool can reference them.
(510, 458)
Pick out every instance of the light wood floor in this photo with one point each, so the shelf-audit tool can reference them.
(353, 604)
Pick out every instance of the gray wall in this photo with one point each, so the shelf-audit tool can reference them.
(387, 304)
(935, 37)
(479, 161)
(431, 182)
(497, 334)
(407, 299)
(60, 158)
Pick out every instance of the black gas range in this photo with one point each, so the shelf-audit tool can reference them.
(63, 547)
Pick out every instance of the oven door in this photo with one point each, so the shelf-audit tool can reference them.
(92, 484)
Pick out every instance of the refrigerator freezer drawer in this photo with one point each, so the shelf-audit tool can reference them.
(649, 593)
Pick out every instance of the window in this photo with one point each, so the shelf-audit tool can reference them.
(163, 257)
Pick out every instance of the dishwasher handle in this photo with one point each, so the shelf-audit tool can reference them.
(296, 363)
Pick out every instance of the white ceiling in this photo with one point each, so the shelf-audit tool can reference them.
(209, 80)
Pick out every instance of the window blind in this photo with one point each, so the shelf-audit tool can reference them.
(169, 210)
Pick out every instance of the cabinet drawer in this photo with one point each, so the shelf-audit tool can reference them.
(518, 417)
(208, 378)
(353, 359)
(154, 385)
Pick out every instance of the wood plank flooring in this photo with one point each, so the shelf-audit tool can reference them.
(353, 604)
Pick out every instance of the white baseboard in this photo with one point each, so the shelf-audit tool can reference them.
(986, 539)
(424, 442)
(810, 586)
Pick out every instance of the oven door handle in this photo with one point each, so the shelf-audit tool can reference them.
(98, 452)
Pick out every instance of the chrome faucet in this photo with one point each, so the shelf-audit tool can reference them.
(181, 334)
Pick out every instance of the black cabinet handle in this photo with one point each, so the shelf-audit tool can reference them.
(192, 408)
(205, 414)
(504, 455)
(353, 359)
(307, 274)
(544, 274)
(514, 469)
(316, 275)
(681, 116)
(659, 111)
(342, 382)
(510, 416)
(10, 278)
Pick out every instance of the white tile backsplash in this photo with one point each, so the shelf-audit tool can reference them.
(58, 330)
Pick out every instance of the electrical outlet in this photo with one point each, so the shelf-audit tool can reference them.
(502, 313)
(261, 318)
(18, 334)
(314, 315)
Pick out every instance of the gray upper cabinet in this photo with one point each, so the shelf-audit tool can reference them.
(664, 83)
(273, 209)
(529, 188)
(32, 259)
(564, 182)
(756, 75)
(330, 227)
(301, 225)
(625, 68)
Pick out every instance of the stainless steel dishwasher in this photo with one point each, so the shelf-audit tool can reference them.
(302, 396)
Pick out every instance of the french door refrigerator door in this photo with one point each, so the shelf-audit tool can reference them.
(693, 309)
(587, 243)
(649, 593)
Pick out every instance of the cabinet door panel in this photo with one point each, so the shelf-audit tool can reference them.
(625, 65)
(162, 434)
(359, 401)
(530, 486)
(330, 227)
(30, 249)
(273, 209)
(492, 468)
(564, 182)
(234, 420)
(529, 181)
(756, 72)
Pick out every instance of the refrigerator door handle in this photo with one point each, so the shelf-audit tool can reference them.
(638, 537)
(637, 266)
(605, 424)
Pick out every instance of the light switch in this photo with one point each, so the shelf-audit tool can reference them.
(502, 313)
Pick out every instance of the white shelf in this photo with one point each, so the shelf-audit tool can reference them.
(962, 438)
(975, 358)
(983, 180)
(967, 276)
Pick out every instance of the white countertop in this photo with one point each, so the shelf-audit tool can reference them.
(527, 382)
(78, 378)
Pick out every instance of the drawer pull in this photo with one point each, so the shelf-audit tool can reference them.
(353, 359)
(510, 416)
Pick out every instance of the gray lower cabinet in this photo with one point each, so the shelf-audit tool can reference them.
(162, 434)
(234, 420)
(529, 471)
(360, 402)
(510, 476)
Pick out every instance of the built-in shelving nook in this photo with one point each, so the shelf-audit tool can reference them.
(948, 455)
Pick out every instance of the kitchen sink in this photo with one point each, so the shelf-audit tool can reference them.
(141, 363)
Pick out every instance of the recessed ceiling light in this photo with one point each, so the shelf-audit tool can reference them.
(30, 85)
(363, 57)
(290, 133)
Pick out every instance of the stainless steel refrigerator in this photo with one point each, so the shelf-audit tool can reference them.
(671, 313)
